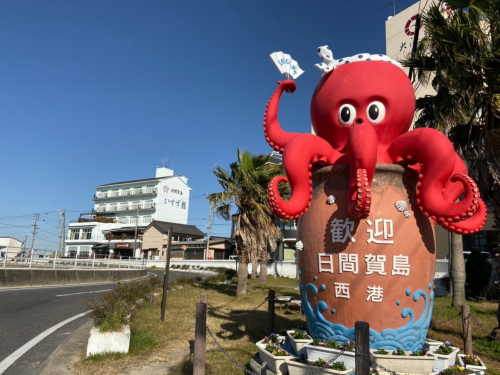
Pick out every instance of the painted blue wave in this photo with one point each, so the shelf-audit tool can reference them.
(411, 336)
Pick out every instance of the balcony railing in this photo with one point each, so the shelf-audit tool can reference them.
(125, 193)
(132, 207)
(85, 238)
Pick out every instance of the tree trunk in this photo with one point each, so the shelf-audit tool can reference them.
(457, 275)
(263, 273)
(241, 291)
(254, 268)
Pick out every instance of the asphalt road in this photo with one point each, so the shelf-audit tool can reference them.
(27, 312)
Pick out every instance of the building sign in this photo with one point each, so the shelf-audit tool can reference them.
(124, 245)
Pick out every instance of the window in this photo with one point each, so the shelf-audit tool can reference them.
(86, 233)
(72, 250)
(122, 207)
(113, 207)
(114, 193)
(74, 234)
(126, 191)
(136, 191)
(84, 251)
(482, 241)
(149, 189)
(147, 219)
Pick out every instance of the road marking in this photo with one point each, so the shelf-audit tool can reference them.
(7, 362)
(93, 291)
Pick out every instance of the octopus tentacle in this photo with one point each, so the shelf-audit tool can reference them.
(436, 155)
(362, 151)
(471, 224)
(275, 135)
(301, 154)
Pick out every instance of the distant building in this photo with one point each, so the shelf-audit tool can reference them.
(123, 209)
(10, 247)
(400, 35)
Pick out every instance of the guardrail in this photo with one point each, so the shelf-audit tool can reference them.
(77, 262)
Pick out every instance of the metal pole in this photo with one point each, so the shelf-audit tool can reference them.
(55, 260)
(5, 258)
(135, 235)
(108, 260)
(93, 260)
(76, 259)
(165, 276)
(33, 239)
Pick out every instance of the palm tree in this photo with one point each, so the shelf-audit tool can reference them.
(245, 187)
(460, 57)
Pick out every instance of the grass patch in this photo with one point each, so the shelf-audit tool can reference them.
(170, 342)
(446, 325)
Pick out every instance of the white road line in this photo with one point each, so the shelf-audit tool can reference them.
(93, 291)
(7, 362)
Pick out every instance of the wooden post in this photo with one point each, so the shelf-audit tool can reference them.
(467, 329)
(165, 276)
(362, 359)
(263, 369)
(200, 339)
(204, 298)
(270, 310)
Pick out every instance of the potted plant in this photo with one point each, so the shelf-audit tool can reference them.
(322, 349)
(303, 365)
(275, 357)
(272, 339)
(457, 369)
(472, 362)
(445, 355)
(414, 362)
(430, 344)
(298, 339)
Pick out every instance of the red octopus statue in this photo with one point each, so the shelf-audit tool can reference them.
(361, 113)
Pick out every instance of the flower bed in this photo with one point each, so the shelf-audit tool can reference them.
(302, 366)
(298, 339)
(327, 350)
(445, 356)
(403, 361)
(274, 355)
(472, 362)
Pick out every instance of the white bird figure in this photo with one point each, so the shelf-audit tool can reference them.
(286, 65)
(328, 63)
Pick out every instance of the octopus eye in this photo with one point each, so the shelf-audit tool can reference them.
(375, 112)
(347, 113)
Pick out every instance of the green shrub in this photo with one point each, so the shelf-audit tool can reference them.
(111, 310)
(185, 267)
(230, 273)
(478, 271)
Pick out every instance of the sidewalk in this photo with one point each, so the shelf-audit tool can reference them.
(70, 351)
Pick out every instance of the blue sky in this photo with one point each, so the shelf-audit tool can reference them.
(94, 92)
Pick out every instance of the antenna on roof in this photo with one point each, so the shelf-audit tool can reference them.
(164, 161)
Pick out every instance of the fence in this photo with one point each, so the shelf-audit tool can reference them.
(361, 340)
(52, 261)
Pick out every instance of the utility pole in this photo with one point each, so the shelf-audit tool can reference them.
(135, 235)
(23, 251)
(209, 227)
(33, 239)
(62, 221)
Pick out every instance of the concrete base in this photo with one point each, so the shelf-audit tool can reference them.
(108, 342)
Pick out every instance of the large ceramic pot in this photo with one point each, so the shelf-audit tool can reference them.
(379, 270)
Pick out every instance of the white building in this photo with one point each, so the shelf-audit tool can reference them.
(10, 247)
(123, 209)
